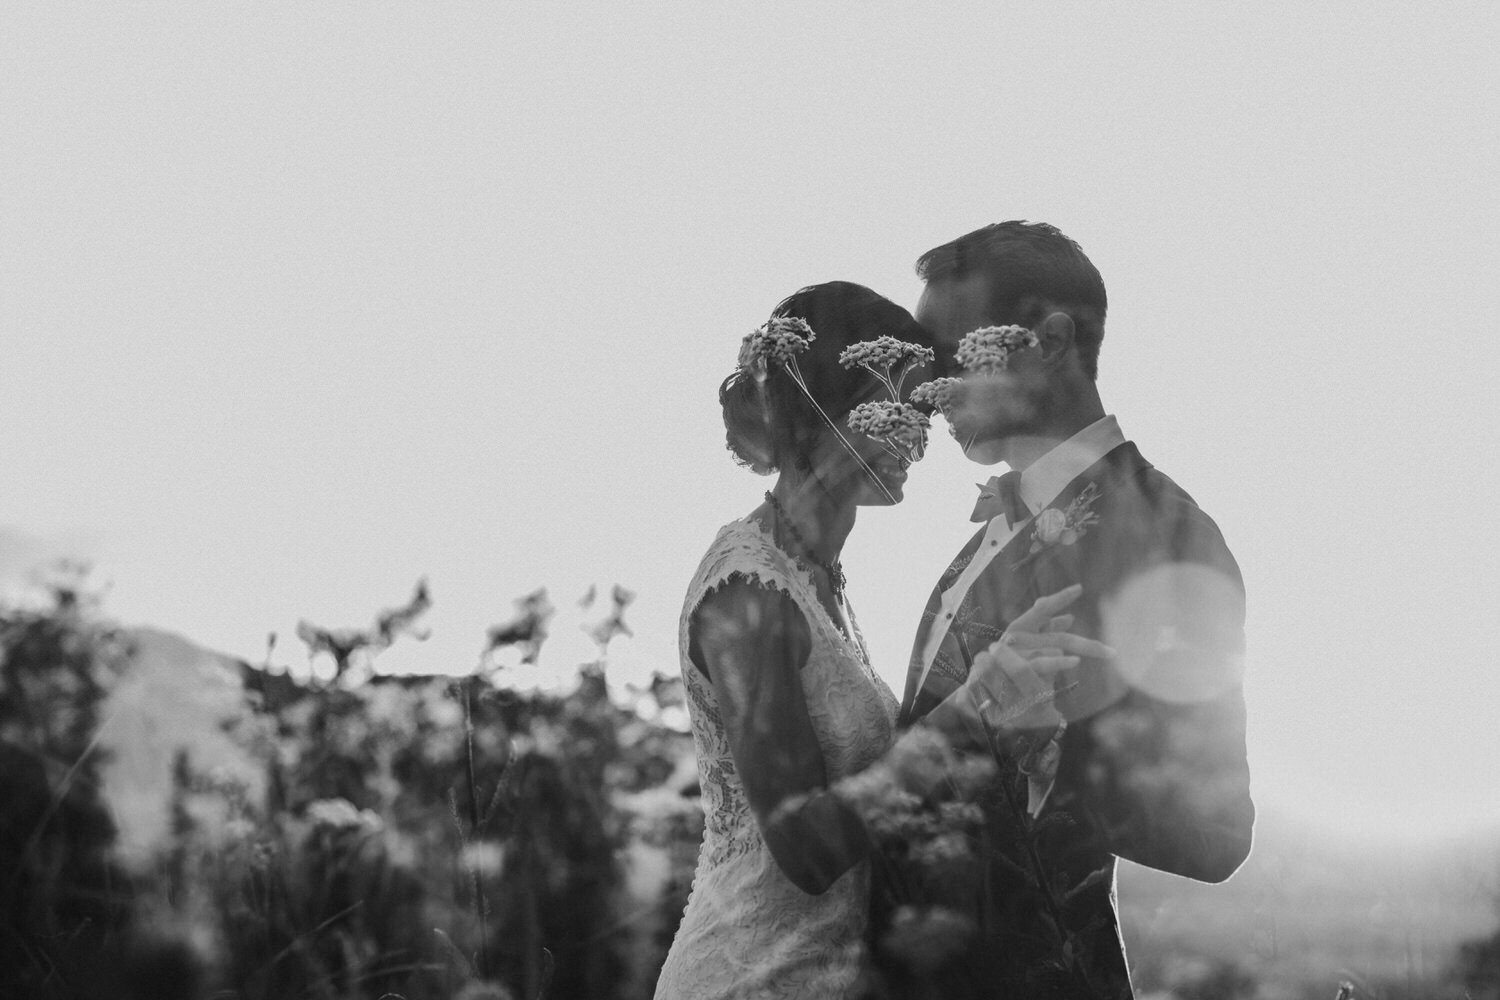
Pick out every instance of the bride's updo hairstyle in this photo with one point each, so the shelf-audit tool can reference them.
(771, 425)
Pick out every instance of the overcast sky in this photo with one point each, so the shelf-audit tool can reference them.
(300, 302)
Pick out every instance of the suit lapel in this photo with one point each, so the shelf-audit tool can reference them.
(1009, 585)
(1050, 568)
(929, 619)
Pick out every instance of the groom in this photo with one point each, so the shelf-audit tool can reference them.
(1141, 756)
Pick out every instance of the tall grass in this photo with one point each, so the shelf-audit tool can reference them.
(416, 838)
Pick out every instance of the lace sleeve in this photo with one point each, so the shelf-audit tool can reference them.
(742, 550)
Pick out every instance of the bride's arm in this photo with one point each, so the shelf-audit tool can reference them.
(753, 642)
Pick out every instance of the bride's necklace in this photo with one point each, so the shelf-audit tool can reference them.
(835, 569)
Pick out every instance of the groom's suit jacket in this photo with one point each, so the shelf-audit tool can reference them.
(1152, 765)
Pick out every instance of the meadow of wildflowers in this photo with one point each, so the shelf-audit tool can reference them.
(392, 836)
(358, 835)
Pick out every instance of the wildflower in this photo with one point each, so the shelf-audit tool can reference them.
(884, 419)
(971, 774)
(936, 393)
(527, 630)
(888, 359)
(893, 815)
(893, 819)
(780, 339)
(394, 622)
(900, 428)
(987, 350)
(350, 645)
(898, 826)
(945, 848)
(922, 758)
(604, 631)
(961, 815)
(884, 353)
(340, 814)
(341, 643)
(874, 790)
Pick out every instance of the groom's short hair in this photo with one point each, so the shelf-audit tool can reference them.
(1032, 268)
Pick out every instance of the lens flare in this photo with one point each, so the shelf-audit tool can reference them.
(1178, 630)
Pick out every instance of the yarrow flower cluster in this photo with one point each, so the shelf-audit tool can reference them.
(900, 428)
(937, 393)
(883, 354)
(779, 340)
(987, 350)
(885, 420)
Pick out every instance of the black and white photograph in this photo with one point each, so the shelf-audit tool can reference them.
(666, 501)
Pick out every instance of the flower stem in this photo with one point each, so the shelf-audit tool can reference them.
(796, 374)
(483, 961)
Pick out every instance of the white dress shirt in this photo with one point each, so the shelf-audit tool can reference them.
(1041, 482)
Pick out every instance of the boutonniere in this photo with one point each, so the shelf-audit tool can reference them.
(1054, 527)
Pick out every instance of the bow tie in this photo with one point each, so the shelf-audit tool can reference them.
(1001, 495)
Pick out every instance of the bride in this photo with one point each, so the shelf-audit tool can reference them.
(783, 702)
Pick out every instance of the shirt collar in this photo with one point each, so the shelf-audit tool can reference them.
(1049, 475)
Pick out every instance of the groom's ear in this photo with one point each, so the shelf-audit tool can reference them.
(1056, 334)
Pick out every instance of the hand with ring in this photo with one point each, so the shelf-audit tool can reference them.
(1040, 635)
(1012, 683)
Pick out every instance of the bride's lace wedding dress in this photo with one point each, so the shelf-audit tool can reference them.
(747, 930)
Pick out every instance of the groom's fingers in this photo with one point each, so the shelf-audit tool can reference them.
(1041, 613)
(1054, 604)
(1032, 644)
(1046, 667)
(1080, 646)
(1018, 639)
(1059, 624)
(1044, 609)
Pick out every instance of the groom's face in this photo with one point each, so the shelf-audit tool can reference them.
(987, 409)
(949, 309)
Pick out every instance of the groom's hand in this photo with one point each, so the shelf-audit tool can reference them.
(1040, 634)
(1015, 692)
(1016, 678)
